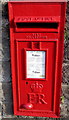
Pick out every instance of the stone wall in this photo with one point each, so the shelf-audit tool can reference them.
(6, 104)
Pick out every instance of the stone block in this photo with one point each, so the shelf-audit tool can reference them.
(66, 47)
(67, 18)
(1, 71)
(5, 72)
(5, 41)
(1, 54)
(5, 9)
(7, 92)
(65, 106)
(4, 37)
(7, 100)
(65, 53)
(4, 53)
(66, 73)
(0, 109)
(68, 50)
(7, 109)
(65, 90)
(64, 113)
(29, 118)
(0, 7)
(3, 1)
(1, 93)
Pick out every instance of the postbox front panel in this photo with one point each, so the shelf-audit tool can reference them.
(35, 82)
(36, 41)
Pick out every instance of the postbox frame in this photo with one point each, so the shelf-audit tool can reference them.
(57, 86)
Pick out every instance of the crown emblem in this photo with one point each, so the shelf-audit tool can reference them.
(36, 87)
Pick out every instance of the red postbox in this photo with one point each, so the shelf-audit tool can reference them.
(36, 41)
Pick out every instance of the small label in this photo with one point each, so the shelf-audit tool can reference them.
(35, 64)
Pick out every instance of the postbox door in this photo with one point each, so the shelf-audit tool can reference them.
(36, 74)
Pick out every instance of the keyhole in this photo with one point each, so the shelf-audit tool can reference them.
(26, 82)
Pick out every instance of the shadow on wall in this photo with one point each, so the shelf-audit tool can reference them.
(6, 77)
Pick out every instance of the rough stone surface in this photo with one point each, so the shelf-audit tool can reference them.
(66, 73)
(35, 118)
(7, 109)
(7, 92)
(65, 101)
(6, 104)
(1, 93)
(5, 36)
(0, 109)
(5, 72)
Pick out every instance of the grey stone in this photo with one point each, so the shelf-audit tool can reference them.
(65, 106)
(4, 1)
(6, 99)
(5, 51)
(66, 48)
(66, 73)
(27, 118)
(65, 89)
(9, 118)
(7, 109)
(1, 55)
(67, 25)
(5, 72)
(1, 71)
(67, 18)
(0, 8)
(68, 108)
(64, 111)
(5, 10)
(7, 92)
(5, 41)
(1, 93)
(4, 54)
(0, 109)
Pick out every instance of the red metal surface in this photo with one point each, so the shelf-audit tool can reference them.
(37, 26)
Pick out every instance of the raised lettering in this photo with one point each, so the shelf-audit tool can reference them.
(36, 98)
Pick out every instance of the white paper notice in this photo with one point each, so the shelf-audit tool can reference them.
(35, 64)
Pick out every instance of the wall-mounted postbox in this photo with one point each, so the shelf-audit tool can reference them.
(36, 41)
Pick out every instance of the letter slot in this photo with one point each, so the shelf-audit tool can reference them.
(36, 26)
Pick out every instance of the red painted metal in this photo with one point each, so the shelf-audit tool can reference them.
(37, 26)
